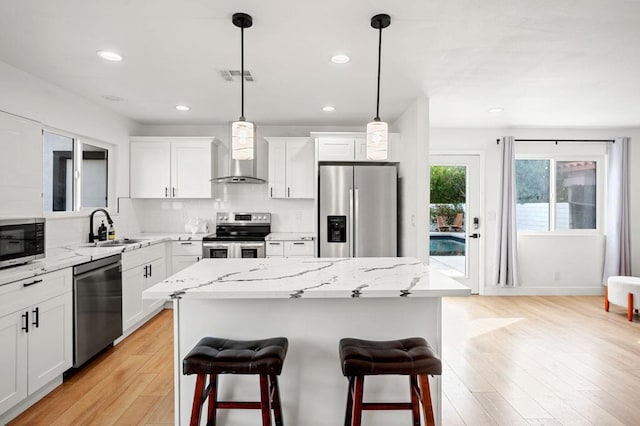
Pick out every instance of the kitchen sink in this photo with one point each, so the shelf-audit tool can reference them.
(115, 243)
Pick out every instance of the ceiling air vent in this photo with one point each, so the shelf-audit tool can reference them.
(234, 75)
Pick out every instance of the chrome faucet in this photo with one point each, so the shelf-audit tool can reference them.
(91, 235)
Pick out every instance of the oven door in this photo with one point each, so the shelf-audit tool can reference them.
(214, 250)
(253, 250)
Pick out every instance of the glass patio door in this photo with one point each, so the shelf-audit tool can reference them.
(456, 227)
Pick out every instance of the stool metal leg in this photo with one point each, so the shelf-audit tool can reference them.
(265, 400)
(356, 419)
(415, 399)
(275, 400)
(197, 400)
(425, 396)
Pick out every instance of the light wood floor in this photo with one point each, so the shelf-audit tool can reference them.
(508, 361)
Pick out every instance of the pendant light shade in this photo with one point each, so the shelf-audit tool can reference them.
(242, 139)
(378, 130)
(242, 131)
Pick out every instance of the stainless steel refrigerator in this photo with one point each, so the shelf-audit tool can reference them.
(358, 207)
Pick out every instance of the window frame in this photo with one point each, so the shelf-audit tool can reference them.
(78, 141)
(600, 161)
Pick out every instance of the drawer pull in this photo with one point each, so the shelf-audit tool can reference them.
(298, 244)
(186, 244)
(274, 244)
(31, 283)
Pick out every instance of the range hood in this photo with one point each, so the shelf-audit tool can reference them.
(240, 171)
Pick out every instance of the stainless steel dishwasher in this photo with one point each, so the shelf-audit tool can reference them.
(97, 307)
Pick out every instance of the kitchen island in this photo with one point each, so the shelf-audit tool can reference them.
(314, 303)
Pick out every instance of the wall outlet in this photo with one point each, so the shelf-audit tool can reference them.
(298, 215)
(556, 276)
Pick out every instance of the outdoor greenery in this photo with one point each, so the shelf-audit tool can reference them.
(447, 192)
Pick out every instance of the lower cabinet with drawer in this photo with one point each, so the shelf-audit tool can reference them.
(185, 253)
(290, 249)
(141, 269)
(36, 336)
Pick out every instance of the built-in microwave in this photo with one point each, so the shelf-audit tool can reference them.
(21, 241)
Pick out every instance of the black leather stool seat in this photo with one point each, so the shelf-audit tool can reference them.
(413, 356)
(213, 355)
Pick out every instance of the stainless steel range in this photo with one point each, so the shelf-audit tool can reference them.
(238, 235)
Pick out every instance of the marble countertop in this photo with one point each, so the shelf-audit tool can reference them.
(290, 236)
(76, 254)
(307, 277)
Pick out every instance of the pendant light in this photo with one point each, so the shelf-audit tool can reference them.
(377, 130)
(242, 131)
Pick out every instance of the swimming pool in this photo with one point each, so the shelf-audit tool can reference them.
(446, 245)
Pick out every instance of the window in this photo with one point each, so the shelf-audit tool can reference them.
(557, 194)
(75, 173)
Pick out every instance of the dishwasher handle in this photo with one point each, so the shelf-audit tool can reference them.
(94, 265)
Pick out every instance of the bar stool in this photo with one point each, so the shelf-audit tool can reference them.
(213, 356)
(412, 357)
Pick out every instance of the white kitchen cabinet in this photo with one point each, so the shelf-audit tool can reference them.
(274, 249)
(348, 146)
(171, 168)
(141, 269)
(185, 253)
(13, 360)
(36, 334)
(50, 340)
(291, 167)
(277, 248)
(20, 166)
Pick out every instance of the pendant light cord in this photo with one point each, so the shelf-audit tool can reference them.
(242, 73)
(379, 55)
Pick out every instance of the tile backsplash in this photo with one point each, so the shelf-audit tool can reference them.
(166, 215)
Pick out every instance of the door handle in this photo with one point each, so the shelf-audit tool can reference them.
(350, 231)
(146, 271)
(166, 192)
(36, 317)
(150, 271)
(271, 192)
(356, 209)
(474, 236)
(173, 192)
(288, 192)
(25, 316)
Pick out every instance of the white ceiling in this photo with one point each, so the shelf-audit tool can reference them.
(547, 62)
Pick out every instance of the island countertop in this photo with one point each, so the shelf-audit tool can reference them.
(307, 278)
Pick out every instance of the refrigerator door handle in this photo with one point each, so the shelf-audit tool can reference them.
(351, 232)
(354, 218)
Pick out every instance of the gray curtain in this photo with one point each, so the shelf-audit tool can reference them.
(506, 254)
(617, 258)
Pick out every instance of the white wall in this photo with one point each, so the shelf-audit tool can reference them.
(413, 173)
(288, 215)
(30, 97)
(549, 264)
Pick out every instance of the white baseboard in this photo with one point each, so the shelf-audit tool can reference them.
(544, 291)
(22, 406)
(139, 324)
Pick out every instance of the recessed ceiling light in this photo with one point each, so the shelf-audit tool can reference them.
(113, 98)
(182, 108)
(110, 55)
(496, 109)
(328, 108)
(340, 59)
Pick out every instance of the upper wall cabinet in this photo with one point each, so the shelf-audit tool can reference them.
(347, 146)
(20, 167)
(291, 167)
(171, 167)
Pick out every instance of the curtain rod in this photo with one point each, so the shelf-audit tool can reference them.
(560, 140)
